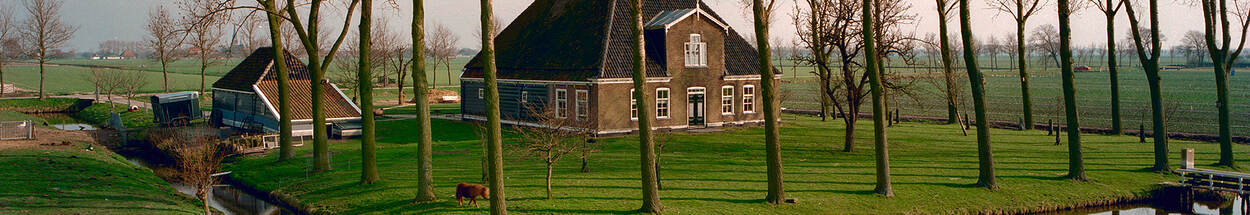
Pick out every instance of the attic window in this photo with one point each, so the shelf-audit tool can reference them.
(696, 51)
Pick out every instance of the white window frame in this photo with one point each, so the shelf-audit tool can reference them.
(525, 96)
(748, 99)
(633, 106)
(696, 51)
(481, 93)
(562, 103)
(662, 105)
(727, 100)
(582, 104)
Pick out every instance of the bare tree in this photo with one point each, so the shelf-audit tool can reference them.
(44, 33)
(198, 155)
(944, 9)
(163, 40)
(1223, 57)
(441, 46)
(107, 81)
(1193, 47)
(205, 31)
(1148, 52)
(7, 23)
(554, 138)
(1021, 11)
(131, 81)
(1045, 41)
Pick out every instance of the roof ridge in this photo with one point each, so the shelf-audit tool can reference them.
(607, 39)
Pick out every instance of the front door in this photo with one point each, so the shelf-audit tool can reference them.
(695, 107)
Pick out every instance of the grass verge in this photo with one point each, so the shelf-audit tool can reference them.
(99, 114)
(70, 180)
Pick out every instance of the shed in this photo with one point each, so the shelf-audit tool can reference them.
(246, 98)
(176, 108)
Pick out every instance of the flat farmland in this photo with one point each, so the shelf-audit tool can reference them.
(1189, 97)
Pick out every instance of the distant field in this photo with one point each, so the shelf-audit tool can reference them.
(1189, 96)
(73, 79)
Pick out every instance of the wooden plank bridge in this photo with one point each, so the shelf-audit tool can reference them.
(1216, 180)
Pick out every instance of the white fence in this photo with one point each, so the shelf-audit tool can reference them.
(17, 130)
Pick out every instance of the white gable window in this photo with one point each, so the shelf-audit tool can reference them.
(727, 100)
(562, 103)
(481, 93)
(696, 51)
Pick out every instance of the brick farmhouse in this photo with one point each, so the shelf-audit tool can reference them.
(573, 56)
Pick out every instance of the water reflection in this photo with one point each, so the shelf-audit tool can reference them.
(227, 199)
(1236, 207)
(74, 126)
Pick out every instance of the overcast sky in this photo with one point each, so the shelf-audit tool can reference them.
(101, 20)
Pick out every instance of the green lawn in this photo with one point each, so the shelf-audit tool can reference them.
(73, 79)
(183, 66)
(74, 181)
(933, 169)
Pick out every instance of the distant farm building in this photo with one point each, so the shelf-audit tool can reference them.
(246, 99)
(573, 56)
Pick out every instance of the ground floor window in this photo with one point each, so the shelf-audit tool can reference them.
(633, 105)
(562, 102)
(748, 99)
(727, 100)
(661, 103)
(583, 105)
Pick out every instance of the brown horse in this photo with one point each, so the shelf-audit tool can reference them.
(472, 191)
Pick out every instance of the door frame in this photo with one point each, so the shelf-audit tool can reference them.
(691, 109)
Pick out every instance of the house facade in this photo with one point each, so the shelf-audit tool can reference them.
(573, 56)
(246, 99)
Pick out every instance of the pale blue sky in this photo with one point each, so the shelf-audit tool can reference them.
(123, 19)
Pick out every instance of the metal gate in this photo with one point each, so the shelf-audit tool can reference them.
(17, 130)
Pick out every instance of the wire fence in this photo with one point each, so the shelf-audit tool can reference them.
(17, 130)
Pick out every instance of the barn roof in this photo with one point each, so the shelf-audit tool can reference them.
(254, 68)
(578, 40)
(253, 74)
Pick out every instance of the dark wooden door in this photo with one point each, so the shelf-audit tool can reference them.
(695, 109)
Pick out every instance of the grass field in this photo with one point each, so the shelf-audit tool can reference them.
(73, 79)
(99, 113)
(70, 180)
(1189, 97)
(933, 170)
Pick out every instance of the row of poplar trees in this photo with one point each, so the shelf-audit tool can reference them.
(1215, 15)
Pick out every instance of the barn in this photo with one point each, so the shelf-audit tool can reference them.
(246, 99)
(573, 56)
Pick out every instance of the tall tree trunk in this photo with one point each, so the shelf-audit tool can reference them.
(369, 169)
(952, 111)
(425, 143)
(286, 150)
(203, 70)
(772, 137)
(884, 186)
(646, 140)
(1150, 62)
(494, 137)
(1025, 98)
(208, 210)
(1076, 162)
(1215, 17)
(985, 154)
(1117, 126)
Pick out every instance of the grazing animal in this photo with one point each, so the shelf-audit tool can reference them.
(472, 191)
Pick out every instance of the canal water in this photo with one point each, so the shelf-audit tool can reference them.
(65, 122)
(1234, 207)
(227, 199)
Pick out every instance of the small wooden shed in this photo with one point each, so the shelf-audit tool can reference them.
(176, 109)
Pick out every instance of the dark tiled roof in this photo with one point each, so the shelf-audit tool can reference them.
(336, 106)
(576, 40)
(255, 66)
